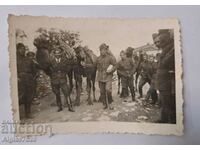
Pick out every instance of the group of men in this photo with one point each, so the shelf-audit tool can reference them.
(159, 74)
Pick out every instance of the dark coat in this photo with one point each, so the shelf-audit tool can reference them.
(26, 83)
(166, 70)
(59, 68)
(126, 67)
(146, 70)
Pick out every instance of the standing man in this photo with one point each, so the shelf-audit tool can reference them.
(145, 74)
(26, 85)
(106, 65)
(31, 55)
(59, 67)
(152, 92)
(152, 89)
(126, 70)
(166, 77)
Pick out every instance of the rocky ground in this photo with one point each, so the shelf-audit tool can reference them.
(138, 111)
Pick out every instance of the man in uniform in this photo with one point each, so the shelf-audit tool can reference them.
(106, 65)
(166, 77)
(31, 55)
(59, 68)
(152, 89)
(26, 85)
(145, 74)
(126, 69)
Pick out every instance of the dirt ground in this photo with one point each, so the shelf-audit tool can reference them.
(138, 111)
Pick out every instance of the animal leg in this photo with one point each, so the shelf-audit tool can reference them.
(93, 87)
(77, 101)
(89, 91)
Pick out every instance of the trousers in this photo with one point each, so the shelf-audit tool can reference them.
(105, 92)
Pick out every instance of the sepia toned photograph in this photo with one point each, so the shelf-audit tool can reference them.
(97, 75)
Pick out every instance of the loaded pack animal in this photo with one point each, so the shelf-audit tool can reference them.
(82, 64)
(56, 62)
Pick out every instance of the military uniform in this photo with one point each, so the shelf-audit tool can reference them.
(166, 84)
(145, 75)
(152, 90)
(59, 67)
(126, 69)
(166, 77)
(26, 82)
(138, 70)
(104, 78)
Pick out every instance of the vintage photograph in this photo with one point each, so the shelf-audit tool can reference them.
(97, 75)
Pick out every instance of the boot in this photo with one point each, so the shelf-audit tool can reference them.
(59, 104)
(140, 92)
(70, 108)
(133, 95)
(122, 93)
(110, 100)
(59, 108)
(77, 101)
(126, 92)
(154, 97)
(28, 114)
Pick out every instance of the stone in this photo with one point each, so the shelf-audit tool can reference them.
(86, 118)
(132, 109)
(89, 115)
(114, 114)
(105, 112)
(130, 104)
(142, 117)
(103, 118)
(148, 109)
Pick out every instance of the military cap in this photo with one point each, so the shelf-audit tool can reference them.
(102, 46)
(155, 35)
(30, 53)
(57, 51)
(163, 31)
(122, 51)
(129, 49)
(20, 45)
(85, 48)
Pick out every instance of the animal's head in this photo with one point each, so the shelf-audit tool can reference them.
(80, 53)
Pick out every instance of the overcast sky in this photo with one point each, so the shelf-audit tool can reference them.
(117, 33)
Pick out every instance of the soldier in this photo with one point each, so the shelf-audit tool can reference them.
(124, 92)
(26, 85)
(126, 69)
(166, 77)
(59, 68)
(106, 65)
(145, 74)
(138, 60)
(152, 90)
(31, 56)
